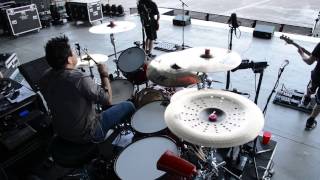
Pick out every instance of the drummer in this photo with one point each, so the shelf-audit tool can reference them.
(72, 96)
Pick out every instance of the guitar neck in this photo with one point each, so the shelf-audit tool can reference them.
(303, 49)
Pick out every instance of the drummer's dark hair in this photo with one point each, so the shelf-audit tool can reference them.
(57, 52)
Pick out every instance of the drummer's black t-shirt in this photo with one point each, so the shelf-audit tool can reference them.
(72, 97)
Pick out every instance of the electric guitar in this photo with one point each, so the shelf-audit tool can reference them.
(290, 41)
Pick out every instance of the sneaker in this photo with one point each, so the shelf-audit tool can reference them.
(306, 100)
(311, 124)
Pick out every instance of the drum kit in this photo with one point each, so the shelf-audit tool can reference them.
(193, 117)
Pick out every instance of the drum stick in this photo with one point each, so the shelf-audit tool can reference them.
(86, 52)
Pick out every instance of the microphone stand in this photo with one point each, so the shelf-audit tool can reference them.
(230, 48)
(274, 89)
(255, 152)
(183, 18)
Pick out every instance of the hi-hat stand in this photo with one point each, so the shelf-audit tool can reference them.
(183, 19)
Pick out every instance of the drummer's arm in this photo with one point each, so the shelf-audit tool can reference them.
(105, 82)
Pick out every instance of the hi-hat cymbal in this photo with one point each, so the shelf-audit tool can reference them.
(164, 71)
(111, 28)
(219, 59)
(87, 61)
(214, 118)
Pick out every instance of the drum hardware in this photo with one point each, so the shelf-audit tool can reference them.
(114, 49)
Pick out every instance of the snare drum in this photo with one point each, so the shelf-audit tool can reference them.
(122, 90)
(131, 63)
(139, 159)
(149, 119)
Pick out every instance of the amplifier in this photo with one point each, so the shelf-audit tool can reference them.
(85, 10)
(23, 19)
(180, 21)
(263, 31)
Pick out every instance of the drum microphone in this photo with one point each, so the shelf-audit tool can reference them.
(284, 64)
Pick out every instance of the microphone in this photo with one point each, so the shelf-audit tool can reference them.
(284, 64)
(233, 22)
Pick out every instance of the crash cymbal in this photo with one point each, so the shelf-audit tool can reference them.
(215, 60)
(112, 27)
(164, 71)
(214, 118)
(86, 60)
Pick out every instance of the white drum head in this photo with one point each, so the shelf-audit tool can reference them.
(131, 59)
(149, 118)
(139, 160)
(122, 90)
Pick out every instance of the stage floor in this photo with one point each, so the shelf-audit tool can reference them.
(298, 152)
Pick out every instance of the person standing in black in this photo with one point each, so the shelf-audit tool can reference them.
(148, 10)
(313, 87)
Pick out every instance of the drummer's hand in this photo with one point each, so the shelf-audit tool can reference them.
(102, 69)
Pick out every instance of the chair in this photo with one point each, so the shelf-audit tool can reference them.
(68, 154)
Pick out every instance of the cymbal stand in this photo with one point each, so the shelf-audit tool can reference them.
(205, 80)
(183, 17)
(211, 168)
(115, 54)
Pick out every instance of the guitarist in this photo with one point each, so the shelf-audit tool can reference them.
(148, 10)
(314, 83)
